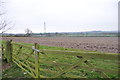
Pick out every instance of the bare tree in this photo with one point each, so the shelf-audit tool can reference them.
(28, 32)
(4, 24)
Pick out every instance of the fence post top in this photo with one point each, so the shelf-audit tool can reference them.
(11, 40)
(35, 43)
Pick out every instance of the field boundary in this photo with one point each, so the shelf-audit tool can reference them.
(31, 62)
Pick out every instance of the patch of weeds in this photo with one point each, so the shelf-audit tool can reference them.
(14, 72)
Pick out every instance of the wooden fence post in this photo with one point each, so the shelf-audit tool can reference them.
(8, 51)
(2, 50)
(37, 61)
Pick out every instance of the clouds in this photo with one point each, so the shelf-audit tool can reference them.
(63, 15)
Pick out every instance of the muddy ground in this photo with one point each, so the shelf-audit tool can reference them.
(103, 44)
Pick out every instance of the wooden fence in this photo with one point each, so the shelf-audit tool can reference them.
(39, 64)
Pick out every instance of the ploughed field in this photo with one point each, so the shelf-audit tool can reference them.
(102, 44)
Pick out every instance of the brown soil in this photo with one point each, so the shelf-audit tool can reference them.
(103, 44)
(5, 65)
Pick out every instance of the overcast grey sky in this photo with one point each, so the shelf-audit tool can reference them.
(62, 15)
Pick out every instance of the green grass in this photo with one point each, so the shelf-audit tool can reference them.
(83, 73)
(0, 41)
(0, 69)
(0, 74)
(14, 72)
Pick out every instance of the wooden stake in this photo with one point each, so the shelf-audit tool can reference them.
(36, 61)
(8, 51)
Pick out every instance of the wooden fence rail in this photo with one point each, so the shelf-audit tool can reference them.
(32, 60)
